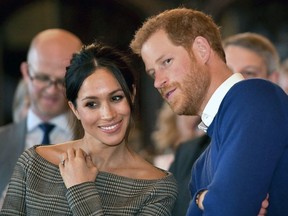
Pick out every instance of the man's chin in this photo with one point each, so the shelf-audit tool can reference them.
(176, 109)
(50, 113)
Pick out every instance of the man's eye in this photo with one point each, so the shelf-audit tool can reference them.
(167, 61)
(249, 74)
(42, 78)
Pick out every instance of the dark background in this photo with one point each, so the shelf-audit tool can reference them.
(114, 22)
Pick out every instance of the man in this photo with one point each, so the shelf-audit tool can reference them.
(245, 119)
(49, 53)
(252, 55)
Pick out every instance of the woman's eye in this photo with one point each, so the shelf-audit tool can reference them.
(117, 98)
(91, 104)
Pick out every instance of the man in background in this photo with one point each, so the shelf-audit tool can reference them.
(283, 78)
(47, 117)
(253, 55)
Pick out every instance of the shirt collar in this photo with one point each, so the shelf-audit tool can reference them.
(60, 121)
(214, 102)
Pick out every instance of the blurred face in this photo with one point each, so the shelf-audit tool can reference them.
(44, 71)
(102, 108)
(188, 127)
(45, 85)
(246, 62)
(283, 82)
(178, 77)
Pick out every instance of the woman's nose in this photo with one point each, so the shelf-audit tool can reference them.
(107, 111)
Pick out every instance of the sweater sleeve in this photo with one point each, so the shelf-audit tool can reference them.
(14, 202)
(161, 199)
(248, 141)
(84, 200)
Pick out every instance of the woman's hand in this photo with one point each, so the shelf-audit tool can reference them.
(77, 167)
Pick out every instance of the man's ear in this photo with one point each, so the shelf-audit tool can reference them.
(24, 68)
(274, 77)
(74, 110)
(201, 49)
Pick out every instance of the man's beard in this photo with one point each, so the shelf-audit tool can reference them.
(194, 89)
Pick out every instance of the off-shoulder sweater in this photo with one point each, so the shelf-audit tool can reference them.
(37, 188)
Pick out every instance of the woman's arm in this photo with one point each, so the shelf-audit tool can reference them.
(162, 198)
(14, 202)
(79, 174)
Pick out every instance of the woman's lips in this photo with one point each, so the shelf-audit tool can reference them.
(111, 128)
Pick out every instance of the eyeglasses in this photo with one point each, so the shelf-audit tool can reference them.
(44, 81)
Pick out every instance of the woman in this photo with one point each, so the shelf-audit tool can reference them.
(97, 174)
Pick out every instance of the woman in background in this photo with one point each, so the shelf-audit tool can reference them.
(172, 130)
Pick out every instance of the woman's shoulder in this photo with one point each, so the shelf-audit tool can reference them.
(145, 170)
(52, 153)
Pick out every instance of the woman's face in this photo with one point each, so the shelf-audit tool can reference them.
(103, 108)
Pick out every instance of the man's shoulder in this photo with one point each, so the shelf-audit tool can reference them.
(256, 85)
(255, 91)
(12, 126)
(13, 132)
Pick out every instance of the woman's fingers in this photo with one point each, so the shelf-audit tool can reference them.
(63, 158)
(70, 153)
(80, 153)
(77, 167)
(89, 161)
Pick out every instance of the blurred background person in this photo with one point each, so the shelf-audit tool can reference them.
(283, 78)
(48, 56)
(171, 130)
(253, 55)
(21, 101)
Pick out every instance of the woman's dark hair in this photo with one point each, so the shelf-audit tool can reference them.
(96, 56)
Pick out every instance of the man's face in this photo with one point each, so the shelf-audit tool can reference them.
(178, 77)
(47, 99)
(246, 62)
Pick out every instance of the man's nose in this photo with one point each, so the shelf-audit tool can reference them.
(160, 79)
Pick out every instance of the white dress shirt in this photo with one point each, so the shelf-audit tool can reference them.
(60, 133)
(213, 104)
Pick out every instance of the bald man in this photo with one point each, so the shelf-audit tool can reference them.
(48, 56)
